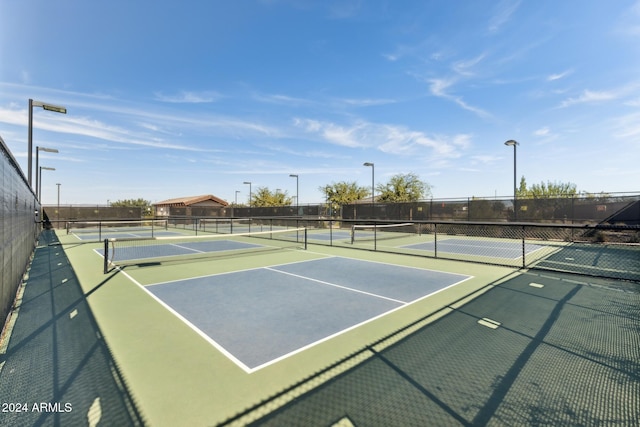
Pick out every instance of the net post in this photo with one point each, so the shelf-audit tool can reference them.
(435, 240)
(106, 256)
(305, 238)
(375, 236)
(330, 232)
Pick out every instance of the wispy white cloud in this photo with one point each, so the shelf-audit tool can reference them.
(188, 97)
(628, 127)
(438, 87)
(542, 131)
(502, 14)
(484, 159)
(83, 126)
(589, 96)
(281, 99)
(283, 149)
(390, 139)
(559, 76)
(464, 67)
(544, 135)
(367, 102)
(629, 90)
(629, 25)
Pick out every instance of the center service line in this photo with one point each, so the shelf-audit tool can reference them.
(335, 285)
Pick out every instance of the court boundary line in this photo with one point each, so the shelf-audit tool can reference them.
(189, 324)
(311, 279)
(357, 325)
(324, 256)
(234, 271)
(249, 370)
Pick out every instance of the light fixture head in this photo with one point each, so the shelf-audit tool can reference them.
(48, 150)
(49, 107)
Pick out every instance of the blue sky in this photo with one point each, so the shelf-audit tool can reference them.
(168, 99)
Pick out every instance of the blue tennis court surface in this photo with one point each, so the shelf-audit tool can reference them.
(509, 250)
(327, 235)
(259, 316)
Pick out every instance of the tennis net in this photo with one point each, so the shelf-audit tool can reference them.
(96, 230)
(373, 232)
(120, 252)
(227, 225)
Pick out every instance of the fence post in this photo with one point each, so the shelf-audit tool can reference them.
(523, 246)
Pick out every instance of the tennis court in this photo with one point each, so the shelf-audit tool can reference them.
(95, 231)
(288, 326)
(262, 315)
(495, 249)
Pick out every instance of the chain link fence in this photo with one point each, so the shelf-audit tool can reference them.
(18, 227)
(596, 250)
(60, 216)
(612, 208)
(600, 250)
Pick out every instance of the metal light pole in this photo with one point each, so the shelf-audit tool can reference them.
(40, 173)
(48, 107)
(514, 143)
(58, 211)
(236, 203)
(38, 150)
(297, 194)
(250, 195)
(372, 186)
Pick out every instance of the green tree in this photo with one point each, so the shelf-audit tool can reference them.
(403, 188)
(522, 190)
(144, 205)
(545, 201)
(547, 190)
(263, 197)
(131, 202)
(342, 193)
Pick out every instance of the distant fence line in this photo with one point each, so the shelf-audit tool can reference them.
(623, 208)
(59, 215)
(614, 208)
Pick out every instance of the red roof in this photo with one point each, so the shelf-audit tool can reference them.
(191, 200)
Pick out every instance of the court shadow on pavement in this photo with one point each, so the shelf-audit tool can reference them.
(55, 367)
(538, 349)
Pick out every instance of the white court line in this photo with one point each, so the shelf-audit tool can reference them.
(336, 285)
(189, 324)
(249, 370)
(237, 271)
(189, 249)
